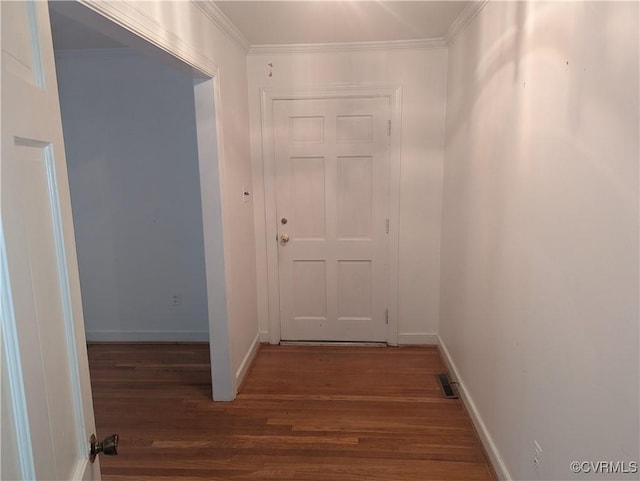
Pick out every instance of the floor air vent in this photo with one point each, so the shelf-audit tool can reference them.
(445, 386)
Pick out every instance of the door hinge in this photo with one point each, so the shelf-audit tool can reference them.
(387, 226)
(386, 316)
(389, 127)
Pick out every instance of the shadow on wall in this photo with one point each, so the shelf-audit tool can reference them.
(539, 273)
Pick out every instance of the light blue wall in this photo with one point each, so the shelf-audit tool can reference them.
(130, 137)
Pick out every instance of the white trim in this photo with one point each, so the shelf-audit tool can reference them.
(485, 436)
(394, 94)
(213, 13)
(247, 360)
(136, 21)
(463, 20)
(333, 344)
(305, 48)
(264, 336)
(271, 232)
(11, 351)
(395, 159)
(212, 173)
(147, 336)
(341, 91)
(417, 339)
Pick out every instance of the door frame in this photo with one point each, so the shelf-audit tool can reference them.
(151, 38)
(267, 97)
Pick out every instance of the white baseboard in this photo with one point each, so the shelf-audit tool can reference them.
(417, 339)
(246, 362)
(147, 336)
(485, 436)
(406, 339)
(333, 343)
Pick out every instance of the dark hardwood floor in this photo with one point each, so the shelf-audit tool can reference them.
(303, 413)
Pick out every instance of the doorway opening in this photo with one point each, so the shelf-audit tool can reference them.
(142, 153)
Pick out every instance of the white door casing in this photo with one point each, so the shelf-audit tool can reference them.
(332, 187)
(42, 322)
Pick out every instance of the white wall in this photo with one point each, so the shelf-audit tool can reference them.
(539, 285)
(130, 138)
(421, 74)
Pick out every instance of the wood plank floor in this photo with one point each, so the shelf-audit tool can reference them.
(304, 413)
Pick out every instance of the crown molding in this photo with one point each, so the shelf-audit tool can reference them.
(464, 19)
(305, 48)
(216, 15)
(126, 14)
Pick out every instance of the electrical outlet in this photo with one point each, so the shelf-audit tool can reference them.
(175, 300)
(537, 456)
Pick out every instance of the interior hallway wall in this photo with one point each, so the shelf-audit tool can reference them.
(539, 286)
(422, 75)
(130, 137)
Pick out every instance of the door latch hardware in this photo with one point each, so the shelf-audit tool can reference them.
(108, 446)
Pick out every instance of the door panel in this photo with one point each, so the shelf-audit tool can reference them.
(309, 289)
(40, 251)
(355, 279)
(355, 197)
(332, 178)
(308, 197)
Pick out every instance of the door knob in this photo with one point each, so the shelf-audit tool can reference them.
(108, 446)
(284, 238)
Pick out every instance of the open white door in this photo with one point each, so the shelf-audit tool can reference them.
(42, 326)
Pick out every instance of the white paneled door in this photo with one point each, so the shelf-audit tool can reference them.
(332, 201)
(42, 325)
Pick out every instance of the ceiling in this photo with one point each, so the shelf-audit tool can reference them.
(299, 22)
(331, 21)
